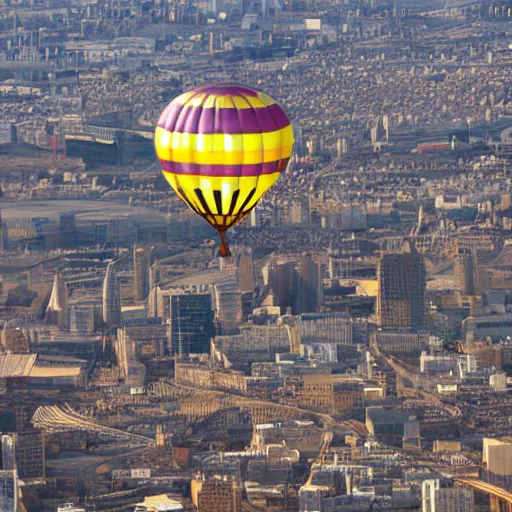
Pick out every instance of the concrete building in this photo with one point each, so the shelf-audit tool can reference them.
(219, 494)
(81, 319)
(391, 426)
(437, 499)
(309, 290)
(111, 297)
(401, 297)
(336, 328)
(67, 229)
(245, 273)
(464, 268)
(498, 381)
(228, 306)
(404, 342)
(140, 273)
(15, 339)
(497, 454)
(312, 496)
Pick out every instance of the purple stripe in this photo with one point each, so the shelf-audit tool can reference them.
(224, 120)
(280, 118)
(170, 116)
(207, 121)
(219, 171)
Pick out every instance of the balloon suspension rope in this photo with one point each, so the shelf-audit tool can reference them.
(224, 251)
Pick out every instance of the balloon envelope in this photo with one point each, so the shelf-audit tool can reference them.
(221, 148)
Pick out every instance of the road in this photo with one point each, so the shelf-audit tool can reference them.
(326, 419)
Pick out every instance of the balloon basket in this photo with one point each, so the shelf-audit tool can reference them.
(224, 251)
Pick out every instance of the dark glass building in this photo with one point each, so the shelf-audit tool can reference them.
(191, 323)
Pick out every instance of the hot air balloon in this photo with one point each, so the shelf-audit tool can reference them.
(221, 147)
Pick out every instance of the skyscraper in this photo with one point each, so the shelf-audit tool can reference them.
(401, 298)
(246, 273)
(57, 310)
(191, 323)
(465, 271)
(111, 297)
(140, 273)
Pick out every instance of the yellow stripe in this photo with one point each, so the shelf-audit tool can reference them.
(215, 148)
(183, 98)
(192, 99)
(196, 101)
(267, 100)
(227, 186)
(256, 102)
(186, 156)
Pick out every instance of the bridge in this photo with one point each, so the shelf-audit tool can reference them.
(54, 418)
(500, 499)
(107, 133)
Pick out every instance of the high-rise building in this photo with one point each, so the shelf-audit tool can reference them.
(282, 280)
(465, 271)
(24, 452)
(245, 273)
(228, 304)
(246, 282)
(309, 289)
(154, 277)
(57, 310)
(111, 297)
(219, 494)
(497, 454)
(67, 228)
(140, 273)
(401, 298)
(9, 491)
(437, 499)
(192, 326)
(4, 235)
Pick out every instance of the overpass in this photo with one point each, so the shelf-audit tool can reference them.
(108, 133)
(54, 418)
(263, 411)
(410, 382)
(500, 499)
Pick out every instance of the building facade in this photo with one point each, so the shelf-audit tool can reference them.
(401, 297)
